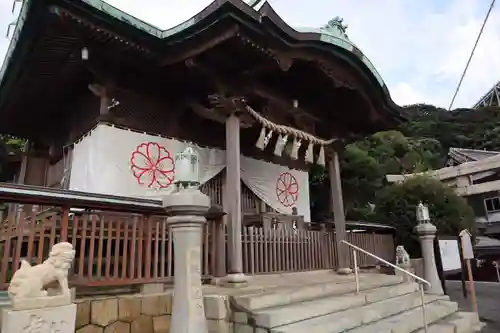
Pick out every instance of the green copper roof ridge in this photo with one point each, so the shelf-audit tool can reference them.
(325, 35)
(21, 18)
(328, 36)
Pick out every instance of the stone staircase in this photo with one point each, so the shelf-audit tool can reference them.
(385, 304)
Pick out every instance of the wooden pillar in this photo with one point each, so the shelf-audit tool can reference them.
(233, 200)
(338, 212)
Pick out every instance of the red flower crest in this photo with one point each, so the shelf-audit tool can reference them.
(152, 165)
(287, 189)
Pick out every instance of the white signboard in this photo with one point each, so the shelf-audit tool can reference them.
(467, 250)
(450, 255)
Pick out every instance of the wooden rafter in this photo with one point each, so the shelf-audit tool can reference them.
(200, 48)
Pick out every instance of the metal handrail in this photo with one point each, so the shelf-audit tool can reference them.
(419, 279)
(387, 263)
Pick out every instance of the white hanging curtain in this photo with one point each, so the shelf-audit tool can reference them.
(278, 186)
(116, 161)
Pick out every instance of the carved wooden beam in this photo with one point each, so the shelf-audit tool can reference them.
(339, 74)
(284, 102)
(284, 63)
(283, 59)
(216, 115)
(200, 47)
(106, 94)
(230, 87)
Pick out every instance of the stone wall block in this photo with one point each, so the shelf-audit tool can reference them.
(216, 307)
(104, 312)
(118, 327)
(82, 314)
(161, 324)
(155, 305)
(129, 308)
(219, 326)
(242, 328)
(142, 324)
(168, 298)
(90, 329)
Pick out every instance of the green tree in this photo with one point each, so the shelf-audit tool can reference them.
(461, 128)
(9, 146)
(364, 165)
(396, 205)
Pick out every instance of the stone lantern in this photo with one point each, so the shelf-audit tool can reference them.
(187, 208)
(427, 232)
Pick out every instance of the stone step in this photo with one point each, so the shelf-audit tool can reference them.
(412, 320)
(288, 314)
(459, 322)
(358, 316)
(295, 294)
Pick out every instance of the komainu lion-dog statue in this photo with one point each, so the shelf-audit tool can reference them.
(31, 282)
(402, 257)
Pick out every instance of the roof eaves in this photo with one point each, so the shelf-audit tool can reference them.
(255, 9)
(323, 35)
(21, 19)
(124, 17)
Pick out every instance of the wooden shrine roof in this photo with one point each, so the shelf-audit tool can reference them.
(43, 72)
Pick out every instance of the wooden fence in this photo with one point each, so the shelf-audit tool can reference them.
(288, 250)
(111, 248)
(124, 241)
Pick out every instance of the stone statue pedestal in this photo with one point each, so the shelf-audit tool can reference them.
(59, 319)
(427, 233)
(188, 208)
(406, 277)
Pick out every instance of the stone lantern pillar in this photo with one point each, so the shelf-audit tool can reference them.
(187, 207)
(427, 232)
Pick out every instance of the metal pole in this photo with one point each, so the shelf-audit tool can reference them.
(498, 272)
(424, 317)
(355, 255)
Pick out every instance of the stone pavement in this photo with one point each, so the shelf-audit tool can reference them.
(488, 300)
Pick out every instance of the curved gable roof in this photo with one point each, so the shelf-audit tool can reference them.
(257, 10)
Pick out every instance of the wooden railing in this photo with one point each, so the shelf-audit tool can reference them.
(118, 241)
(111, 248)
(288, 250)
(381, 245)
(125, 241)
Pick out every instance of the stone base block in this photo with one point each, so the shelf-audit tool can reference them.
(55, 319)
(344, 271)
(41, 302)
(406, 277)
(152, 288)
(237, 280)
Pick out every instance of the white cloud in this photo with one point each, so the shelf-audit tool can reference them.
(420, 47)
(404, 92)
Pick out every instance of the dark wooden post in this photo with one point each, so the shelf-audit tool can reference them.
(338, 212)
(64, 224)
(233, 199)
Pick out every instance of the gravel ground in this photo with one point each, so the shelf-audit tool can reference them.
(488, 302)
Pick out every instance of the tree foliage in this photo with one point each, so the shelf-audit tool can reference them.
(9, 146)
(461, 128)
(395, 206)
(420, 144)
(364, 165)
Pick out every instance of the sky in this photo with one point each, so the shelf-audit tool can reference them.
(419, 47)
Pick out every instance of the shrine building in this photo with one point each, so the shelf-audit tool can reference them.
(106, 101)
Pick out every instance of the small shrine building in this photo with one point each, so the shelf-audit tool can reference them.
(107, 100)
